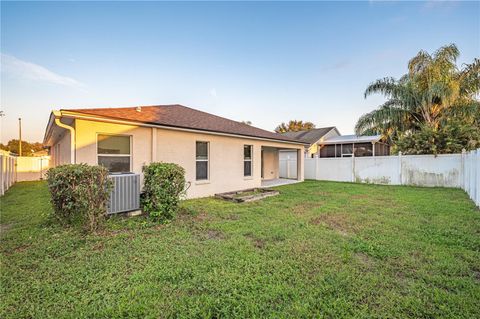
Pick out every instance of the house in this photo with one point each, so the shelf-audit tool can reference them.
(313, 137)
(327, 142)
(218, 154)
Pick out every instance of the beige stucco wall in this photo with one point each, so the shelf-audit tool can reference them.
(158, 144)
(270, 163)
(225, 160)
(60, 151)
(86, 141)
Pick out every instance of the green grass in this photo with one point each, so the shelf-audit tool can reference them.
(319, 249)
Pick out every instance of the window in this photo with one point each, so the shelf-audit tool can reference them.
(347, 150)
(113, 152)
(338, 150)
(247, 160)
(363, 149)
(327, 151)
(201, 159)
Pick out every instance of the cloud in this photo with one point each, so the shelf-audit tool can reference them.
(213, 92)
(31, 71)
(336, 66)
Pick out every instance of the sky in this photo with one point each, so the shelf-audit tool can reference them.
(264, 62)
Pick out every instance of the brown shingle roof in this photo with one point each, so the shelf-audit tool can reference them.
(183, 117)
(310, 136)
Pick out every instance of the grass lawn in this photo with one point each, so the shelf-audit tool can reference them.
(319, 249)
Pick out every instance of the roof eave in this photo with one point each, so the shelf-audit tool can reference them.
(71, 114)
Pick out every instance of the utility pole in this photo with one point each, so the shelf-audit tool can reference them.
(20, 136)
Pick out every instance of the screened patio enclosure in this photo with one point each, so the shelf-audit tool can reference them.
(353, 145)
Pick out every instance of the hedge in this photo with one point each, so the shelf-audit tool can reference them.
(164, 185)
(79, 194)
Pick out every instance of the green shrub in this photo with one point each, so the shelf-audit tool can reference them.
(164, 185)
(79, 194)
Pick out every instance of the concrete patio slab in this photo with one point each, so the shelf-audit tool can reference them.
(278, 182)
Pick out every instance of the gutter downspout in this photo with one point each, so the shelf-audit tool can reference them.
(58, 116)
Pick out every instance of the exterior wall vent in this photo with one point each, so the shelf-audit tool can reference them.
(125, 194)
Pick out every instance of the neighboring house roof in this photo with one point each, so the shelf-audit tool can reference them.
(310, 136)
(179, 116)
(352, 139)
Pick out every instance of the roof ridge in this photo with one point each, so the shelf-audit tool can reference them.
(178, 115)
(227, 119)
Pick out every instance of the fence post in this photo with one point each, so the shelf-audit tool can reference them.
(353, 166)
(1, 175)
(477, 160)
(462, 170)
(400, 167)
(472, 174)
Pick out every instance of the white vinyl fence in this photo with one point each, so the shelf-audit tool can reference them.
(21, 168)
(471, 177)
(7, 171)
(446, 170)
(288, 167)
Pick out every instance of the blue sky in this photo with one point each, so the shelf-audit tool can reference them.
(265, 62)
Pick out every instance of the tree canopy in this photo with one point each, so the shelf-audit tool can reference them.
(430, 105)
(294, 126)
(27, 148)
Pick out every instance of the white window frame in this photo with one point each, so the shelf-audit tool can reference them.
(115, 155)
(203, 160)
(248, 160)
(348, 154)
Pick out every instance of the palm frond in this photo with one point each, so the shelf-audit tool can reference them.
(419, 62)
(470, 78)
(389, 115)
(385, 86)
(447, 53)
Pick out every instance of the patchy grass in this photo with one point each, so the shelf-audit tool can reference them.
(320, 249)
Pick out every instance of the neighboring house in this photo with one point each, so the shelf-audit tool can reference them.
(218, 154)
(313, 137)
(327, 142)
(353, 145)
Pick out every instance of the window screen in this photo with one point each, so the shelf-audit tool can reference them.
(114, 152)
(347, 150)
(201, 158)
(363, 149)
(327, 151)
(247, 160)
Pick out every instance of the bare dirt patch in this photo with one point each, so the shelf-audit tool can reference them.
(232, 217)
(211, 234)
(476, 275)
(4, 228)
(364, 260)
(339, 222)
(99, 246)
(306, 207)
(256, 242)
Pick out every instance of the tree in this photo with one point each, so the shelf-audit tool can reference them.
(27, 148)
(246, 122)
(294, 126)
(426, 99)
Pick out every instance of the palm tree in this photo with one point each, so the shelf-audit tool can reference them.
(432, 90)
(294, 126)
